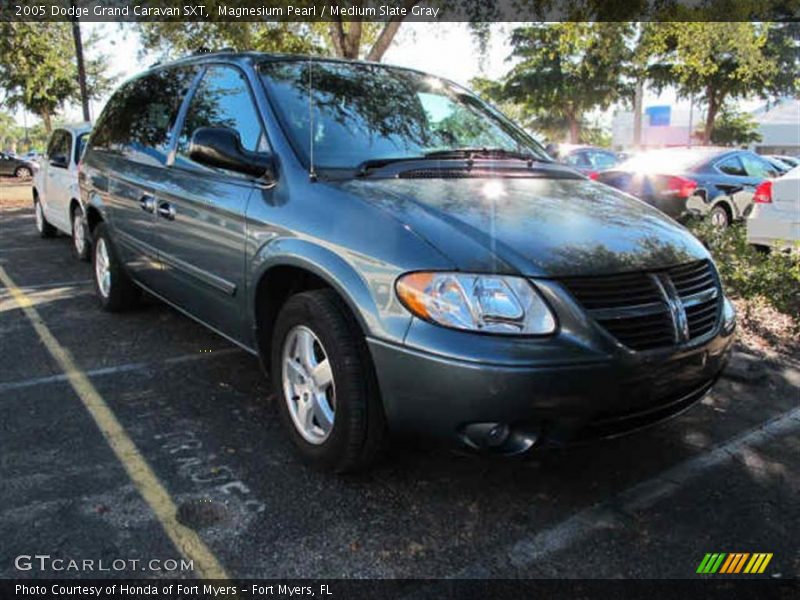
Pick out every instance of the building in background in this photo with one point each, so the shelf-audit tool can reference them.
(671, 126)
(779, 126)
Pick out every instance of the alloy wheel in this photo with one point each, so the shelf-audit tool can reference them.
(78, 233)
(102, 268)
(308, 385)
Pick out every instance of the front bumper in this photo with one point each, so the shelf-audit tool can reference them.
(572, 391)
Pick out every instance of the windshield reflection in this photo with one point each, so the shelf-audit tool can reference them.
(363, 112)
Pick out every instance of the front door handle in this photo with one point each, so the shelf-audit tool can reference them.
(148, 203)
(166, 210)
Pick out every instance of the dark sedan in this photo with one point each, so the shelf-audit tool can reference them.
(11, 165)
(589, 160)
(717, 182)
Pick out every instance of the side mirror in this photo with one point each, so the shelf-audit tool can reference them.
(221, 147)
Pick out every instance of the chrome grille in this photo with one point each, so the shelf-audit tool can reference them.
(657, 309)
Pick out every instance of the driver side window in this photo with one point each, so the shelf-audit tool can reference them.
(222, 99)
(58, 151)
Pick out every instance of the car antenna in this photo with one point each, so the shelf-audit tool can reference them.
(312, 174)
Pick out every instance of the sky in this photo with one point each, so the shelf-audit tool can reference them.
(444, 49)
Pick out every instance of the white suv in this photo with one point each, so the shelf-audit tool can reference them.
(55, 188)
(775, 220)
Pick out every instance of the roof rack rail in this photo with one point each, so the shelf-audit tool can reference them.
(206, 50)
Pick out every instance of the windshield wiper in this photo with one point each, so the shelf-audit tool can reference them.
(480, 152)
(463, 153)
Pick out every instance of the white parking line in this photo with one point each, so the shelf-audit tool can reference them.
(529, 550)
(126, 368)
(54, 284)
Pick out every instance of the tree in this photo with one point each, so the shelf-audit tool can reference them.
(717, 62)
(733, 128)
(565, 70)
(345, 39)
(36, 71)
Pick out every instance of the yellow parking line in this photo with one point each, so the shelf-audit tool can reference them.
(186, 540)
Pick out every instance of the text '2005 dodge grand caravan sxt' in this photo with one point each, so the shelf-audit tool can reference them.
(399, 255)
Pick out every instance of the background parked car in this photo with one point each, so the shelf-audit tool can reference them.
(589, 160)
(55, 188)
(714, 182)
(775, 220)
(792, 161)
(780, 165)
(18, 167)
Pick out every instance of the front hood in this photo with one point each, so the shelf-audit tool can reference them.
(544, 227)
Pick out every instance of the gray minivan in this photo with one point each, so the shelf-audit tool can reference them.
(400, 256)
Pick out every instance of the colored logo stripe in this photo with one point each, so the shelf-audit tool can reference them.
(710, 563)
(734, 563)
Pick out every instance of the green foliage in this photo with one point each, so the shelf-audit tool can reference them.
(178, 38)
(565, 70)
(749, 274)
(717, 62)
(38, 69)
(734, 128)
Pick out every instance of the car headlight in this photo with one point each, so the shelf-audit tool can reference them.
(486, 303)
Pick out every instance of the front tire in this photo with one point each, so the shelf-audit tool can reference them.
(80, 241)
(42, 226)
(114, 288)
(23, 173)
(324, 380)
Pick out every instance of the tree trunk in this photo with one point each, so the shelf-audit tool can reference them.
(76, 34)
(713, 108)
(574, 129)
(387, 34)
(48, 126)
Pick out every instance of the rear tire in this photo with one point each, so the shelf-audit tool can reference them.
(42, 226)
(355, 433)
(23, 173)
(719, 217)
(114, 288)
(80, 241)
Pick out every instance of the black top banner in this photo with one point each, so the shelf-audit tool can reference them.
(407, 10)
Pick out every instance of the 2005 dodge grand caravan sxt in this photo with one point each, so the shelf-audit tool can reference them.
(399, 255)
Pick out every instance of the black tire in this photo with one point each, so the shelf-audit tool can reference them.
(122, 293)
(358, 435)
(719, 216)
(23, 173)
(80, 228)
(42, 226)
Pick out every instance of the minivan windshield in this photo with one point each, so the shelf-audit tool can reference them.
(363, 112)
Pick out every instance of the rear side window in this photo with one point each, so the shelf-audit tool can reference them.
(139, 118)
(732, 166)
(222, 99)
(758, 167)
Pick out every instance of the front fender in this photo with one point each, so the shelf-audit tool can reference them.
(366, 285)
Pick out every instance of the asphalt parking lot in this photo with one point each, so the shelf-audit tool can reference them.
(723, 477)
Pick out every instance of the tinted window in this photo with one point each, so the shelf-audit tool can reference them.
(222, 99)
(732, 166)
(371, 112)
(578, 159)
(80, 145)
(602, 160)
(60, 145)
(138, 119)
(758, 167)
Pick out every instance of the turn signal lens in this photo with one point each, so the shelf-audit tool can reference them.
(487, 303)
